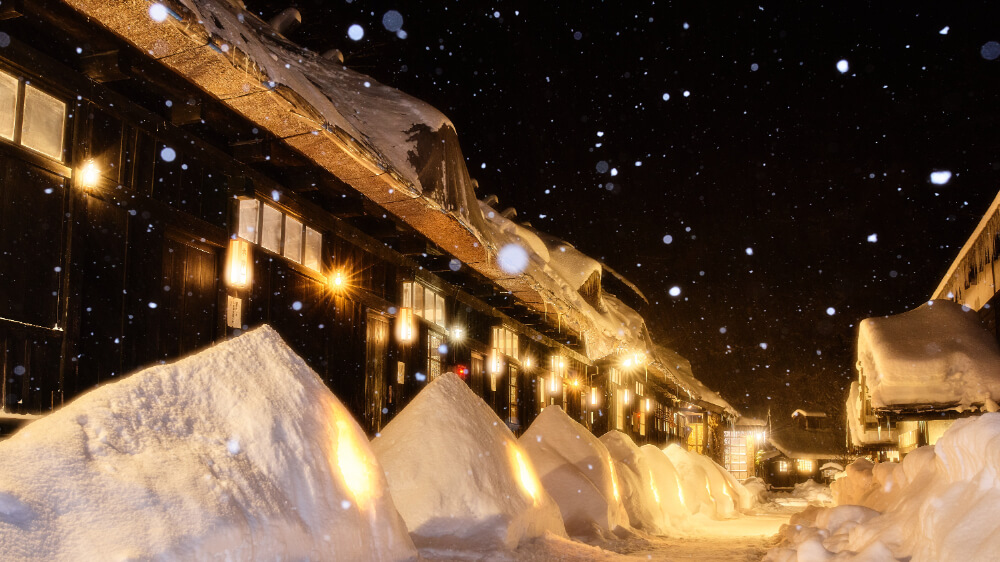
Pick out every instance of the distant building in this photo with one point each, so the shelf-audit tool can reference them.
(798, 450)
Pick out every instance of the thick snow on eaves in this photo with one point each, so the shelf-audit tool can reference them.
(936, 354)
(410, 136)
(237, 452)
(604, 333)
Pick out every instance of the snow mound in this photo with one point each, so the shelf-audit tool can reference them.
(237, 452)
(577, 471)
(705, 489)
(639, 491)
(937, 354)
(457, 475)
(942, 502)
(668, 488)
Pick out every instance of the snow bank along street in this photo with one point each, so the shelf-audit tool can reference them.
(240, 451)
(942, 502)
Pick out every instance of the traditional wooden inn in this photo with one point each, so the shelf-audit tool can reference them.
(176, 172)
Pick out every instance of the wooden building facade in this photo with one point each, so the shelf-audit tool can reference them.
(142, 219)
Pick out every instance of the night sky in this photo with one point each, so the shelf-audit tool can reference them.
(719, 153)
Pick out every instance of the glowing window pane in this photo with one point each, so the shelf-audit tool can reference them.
(293, 240)
(270, 229)
(314, 250)
(429, 305)
(407, 294)
(247, 227)
(8, 105)
(439, 310)
(418, 299)
(44, 123)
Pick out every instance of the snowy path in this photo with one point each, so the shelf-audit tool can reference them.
(736, 540)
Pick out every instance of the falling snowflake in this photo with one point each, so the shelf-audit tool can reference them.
(842, 66)
(940, 177)
(512, 259)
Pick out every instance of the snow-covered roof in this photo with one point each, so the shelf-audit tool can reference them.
(935, 356)
(808, 414)
(678, 370)
(814, 444)
(978, 251)
(398, 151)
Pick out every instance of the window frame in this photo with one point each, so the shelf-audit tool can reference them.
(21, 93)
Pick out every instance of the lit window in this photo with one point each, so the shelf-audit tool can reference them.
(247, 228)
(8, 105)
(638, 388)
(505, 341)
(804, 465)
(44, 122)
(782, 466)
(293, 240)
(434, 342)
(314, 250)
(616, 376)
(425, 302)
(270, 229)
(512, 396)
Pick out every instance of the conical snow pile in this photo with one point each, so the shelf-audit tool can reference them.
(458, 476)
(668, 485)
(237, 452)
(577, 471)
(639, 493)
(705, 490)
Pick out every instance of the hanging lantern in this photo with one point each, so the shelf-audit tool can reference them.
(337, 280)
(238, 272)
(625, 396)
(496, 361)
(593, 396)
(404, 324)
(647, 405)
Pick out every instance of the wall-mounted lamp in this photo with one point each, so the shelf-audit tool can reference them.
(593, 396)
(457, 333)
(337, 280)
(240, 267)
(89, 174)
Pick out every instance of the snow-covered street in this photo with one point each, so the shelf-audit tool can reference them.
(746, 538)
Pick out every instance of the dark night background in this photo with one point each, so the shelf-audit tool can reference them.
(773, 149)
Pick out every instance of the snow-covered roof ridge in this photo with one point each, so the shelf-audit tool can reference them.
(808, 413)
(935, 356)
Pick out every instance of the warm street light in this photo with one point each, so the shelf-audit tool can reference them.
(90, 174)
(404, 324)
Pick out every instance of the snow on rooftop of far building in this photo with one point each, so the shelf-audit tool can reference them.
(237, 452)
(937, 354)
(458, 476)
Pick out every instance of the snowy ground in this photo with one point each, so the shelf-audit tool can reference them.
(746, 538)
